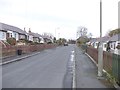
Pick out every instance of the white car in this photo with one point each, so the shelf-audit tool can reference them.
(42, 42)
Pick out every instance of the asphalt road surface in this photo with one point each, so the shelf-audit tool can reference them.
(49, 69)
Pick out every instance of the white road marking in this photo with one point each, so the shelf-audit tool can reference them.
(73, 61)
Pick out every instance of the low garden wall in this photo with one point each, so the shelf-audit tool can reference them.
(12, 50)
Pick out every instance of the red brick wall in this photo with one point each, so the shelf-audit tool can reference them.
(8, 51)
(11, 50)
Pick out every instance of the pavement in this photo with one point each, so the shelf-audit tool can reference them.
(54, 68)
(86, 72)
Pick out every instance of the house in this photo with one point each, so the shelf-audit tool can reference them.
(3, 35)
(105, 41)
(95, 42)
(34, 37)
(47, 39)
(23, 35)
(9, 31)
(30, 36)
(114, 42)
(41, 39)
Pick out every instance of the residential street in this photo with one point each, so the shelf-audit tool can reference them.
(52, 68)
(49, 69)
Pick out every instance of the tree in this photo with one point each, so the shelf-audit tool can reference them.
(83, 35)
(90, 35)
(11, 41)
(61, 41)
(114, 32)
(82, 31)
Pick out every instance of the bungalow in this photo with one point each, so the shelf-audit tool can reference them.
(23, 35)
(35, 37)
(95, 42)
(47, 39)
(41, 39)
(105, 41)
(8, 31)
(31, 36)
(3, 35)
(114, 42)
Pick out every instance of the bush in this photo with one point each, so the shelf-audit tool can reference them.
(11, 41)
(23, 41)
(118, 47)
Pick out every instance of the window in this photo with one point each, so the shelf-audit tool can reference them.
(15, 35)
(105, 45)
(10, 34)
(114, 45)
(111, 46)
(97, 44)
(3, 35)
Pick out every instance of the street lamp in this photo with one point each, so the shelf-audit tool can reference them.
(56, 31)
(100, 50)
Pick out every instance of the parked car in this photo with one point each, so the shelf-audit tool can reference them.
(41, 42)
(66, 44)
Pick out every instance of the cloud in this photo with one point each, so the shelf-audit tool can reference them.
(46, 15)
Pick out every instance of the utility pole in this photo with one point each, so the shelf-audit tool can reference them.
(119, 14)
(100, 50)
(56, 31)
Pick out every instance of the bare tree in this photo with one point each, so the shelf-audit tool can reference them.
(90, 35)
(82, 31)
(48, 35)
(83, 35)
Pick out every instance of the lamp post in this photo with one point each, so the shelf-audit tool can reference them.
(100, 49)
(56, 31)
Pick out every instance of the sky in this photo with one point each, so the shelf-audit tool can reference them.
(60, 17)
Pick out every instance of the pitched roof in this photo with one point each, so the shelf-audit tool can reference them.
(46, 37)
(115, 38)
(7, 27)
(104, 39)
(35, 34)
(93, 40)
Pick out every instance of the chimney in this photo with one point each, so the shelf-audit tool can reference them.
(24, 29)
(29, 30)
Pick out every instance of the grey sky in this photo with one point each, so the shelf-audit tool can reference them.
(47, 15)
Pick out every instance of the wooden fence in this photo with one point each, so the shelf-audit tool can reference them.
(111, 62)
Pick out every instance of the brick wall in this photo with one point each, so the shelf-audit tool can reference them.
(12, 50)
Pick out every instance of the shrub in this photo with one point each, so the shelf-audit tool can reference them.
(23, 41)
(11, 41)
(118, 47)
